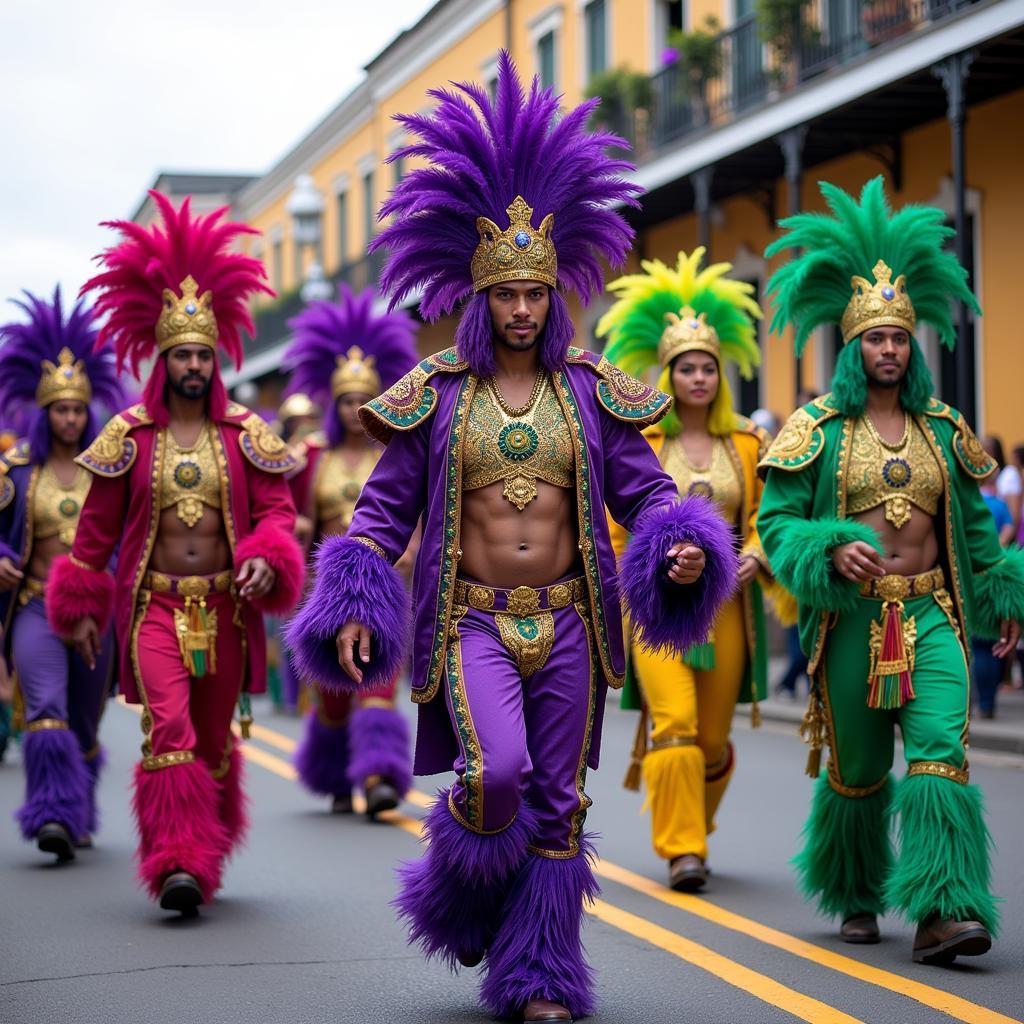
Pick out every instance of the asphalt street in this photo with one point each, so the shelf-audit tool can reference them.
(303, 933)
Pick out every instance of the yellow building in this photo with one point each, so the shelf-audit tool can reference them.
(732, 128)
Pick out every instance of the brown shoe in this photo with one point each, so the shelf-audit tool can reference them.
(53, 837)
(180, 892)
(341, 803)
(545, 1009)
(942, 940)
(380, 796)
(687, 873)
(860, 928)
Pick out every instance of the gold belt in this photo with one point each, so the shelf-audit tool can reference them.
(899, 588)
(521, 601)
(31, 588)
(188, 586)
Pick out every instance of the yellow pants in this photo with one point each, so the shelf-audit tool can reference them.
(690, 760)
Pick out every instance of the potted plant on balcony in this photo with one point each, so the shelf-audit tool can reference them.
(699, 54)
(782, 27)
(626, 98)
(884, 19)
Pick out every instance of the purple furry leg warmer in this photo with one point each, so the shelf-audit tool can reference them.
(452, 897)
(537, 952)
(94, 766)
(322, 757)
(379, 741)
(56, 783)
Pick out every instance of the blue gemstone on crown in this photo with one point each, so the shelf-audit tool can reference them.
(522, 240)
(69, 373)
(695, 324)
(888, 294)
(190, 308)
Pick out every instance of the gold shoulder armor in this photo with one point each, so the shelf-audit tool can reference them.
(797, 444)
(113, 452)
(410, 400)
(621, 395)
(16, 455)
(263, 448)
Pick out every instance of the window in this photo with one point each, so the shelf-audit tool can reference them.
(342, 205)
(595, 29)
(369, 207)
(278, 270)
(546, 59)
(398, 166)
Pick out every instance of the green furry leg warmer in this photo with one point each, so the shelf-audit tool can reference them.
(944, 863)
(847, 854)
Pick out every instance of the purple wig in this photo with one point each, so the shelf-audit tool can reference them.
(325, 330)
(24, 346)
(482, 154)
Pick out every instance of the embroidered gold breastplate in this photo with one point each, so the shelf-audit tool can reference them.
(56, 508)
(896, 476)
(190, 479)
(519, 446)
(337, 485)
(717, 481)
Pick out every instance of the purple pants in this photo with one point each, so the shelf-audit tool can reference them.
(523, 721)
(64, 700)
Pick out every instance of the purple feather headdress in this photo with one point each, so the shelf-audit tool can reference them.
(482, 155)
(324, 332)
(24, 346)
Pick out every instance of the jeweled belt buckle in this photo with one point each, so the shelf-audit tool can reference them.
(194, 587)
(893, 588)
(523, 601)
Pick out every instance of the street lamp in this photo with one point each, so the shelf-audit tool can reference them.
(305, 206)
(316, 287)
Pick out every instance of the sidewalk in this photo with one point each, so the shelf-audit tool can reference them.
(1004, 733)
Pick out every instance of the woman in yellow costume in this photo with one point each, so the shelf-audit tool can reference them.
(690, 322)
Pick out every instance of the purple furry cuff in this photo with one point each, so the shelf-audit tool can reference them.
(353, 584)
(667, 614)
(6, 551)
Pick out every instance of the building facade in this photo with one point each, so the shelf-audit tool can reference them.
(735, 109)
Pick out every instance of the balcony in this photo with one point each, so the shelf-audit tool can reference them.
(825, 35)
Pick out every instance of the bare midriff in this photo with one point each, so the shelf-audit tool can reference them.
(504, 547)
(912, 549)
(44, 551)
(199, 550)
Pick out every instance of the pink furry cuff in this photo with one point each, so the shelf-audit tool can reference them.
(73, 592)
(283, 554)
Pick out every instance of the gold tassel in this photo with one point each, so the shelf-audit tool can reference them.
(245, 715)
(634, 773)
(755, 711)
(812, 729)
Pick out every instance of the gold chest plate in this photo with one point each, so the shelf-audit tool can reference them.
(337, 485)
(519, 447)
(718, 481)
(56, 508)
(190, 479)
(896, 476)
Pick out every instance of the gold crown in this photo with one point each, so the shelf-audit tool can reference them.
(882, 304)
(188, 320)
(66, 380)
(355, 374)
(520, 253)
(687, 332)
(297, 404)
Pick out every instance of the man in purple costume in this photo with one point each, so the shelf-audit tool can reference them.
(509, 446)
(50, 372)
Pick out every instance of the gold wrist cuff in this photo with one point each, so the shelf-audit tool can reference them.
(42, 724)
(154, 762)
(944, 771)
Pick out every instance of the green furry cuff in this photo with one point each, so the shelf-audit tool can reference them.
(803, 561)
(999, 594)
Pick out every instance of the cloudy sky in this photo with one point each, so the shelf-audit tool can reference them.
(97, 97)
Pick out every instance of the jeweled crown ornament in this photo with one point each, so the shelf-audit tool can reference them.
(356, 373)
(188, 320)
(65, 381)
(520, 253)
(687, 331)
(882, 304)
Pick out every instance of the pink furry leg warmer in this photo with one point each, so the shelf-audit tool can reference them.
(180, 829)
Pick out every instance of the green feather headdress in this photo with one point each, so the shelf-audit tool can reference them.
(637, 321)
(817, 285)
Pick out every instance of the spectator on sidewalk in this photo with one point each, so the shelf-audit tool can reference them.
(1009, 485)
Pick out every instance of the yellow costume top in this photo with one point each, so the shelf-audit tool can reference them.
(517, 445)
(190, 479)
(56, 508)
(337, 485)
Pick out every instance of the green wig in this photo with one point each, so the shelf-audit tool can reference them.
(636, 322)
(816, 285)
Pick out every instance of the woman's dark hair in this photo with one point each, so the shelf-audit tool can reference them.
(995, 448)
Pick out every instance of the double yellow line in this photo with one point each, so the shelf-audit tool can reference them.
(756, 984)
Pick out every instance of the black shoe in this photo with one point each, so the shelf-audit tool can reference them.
(687, 873)
(380, 796)
(341, 803)
(53, 837)
(180, 892)
(470, 959)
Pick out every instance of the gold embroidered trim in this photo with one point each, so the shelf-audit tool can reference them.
(376, 702)
(554, 854)
(465, 824)
(521, 601)
(154, 762)
(373, 546)
(44, 724)
(528, 639)
(899, 588)
(79, 564)
(854, 792)
(673, 741)
(944, 771)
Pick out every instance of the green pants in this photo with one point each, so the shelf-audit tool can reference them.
(847, 864)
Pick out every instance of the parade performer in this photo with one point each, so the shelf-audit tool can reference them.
(191, 490)
(51, 371)
(343, 355)
(509, 445)
(691, 323)
(872, 517)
